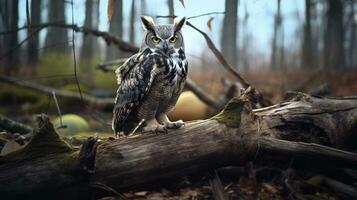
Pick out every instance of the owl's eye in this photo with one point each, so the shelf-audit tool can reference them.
(173, 39)
(155, 39)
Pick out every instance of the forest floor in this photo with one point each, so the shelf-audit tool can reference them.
(253, 181)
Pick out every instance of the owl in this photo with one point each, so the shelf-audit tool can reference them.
(150, 82)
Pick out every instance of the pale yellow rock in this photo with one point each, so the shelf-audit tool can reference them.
(189, 107)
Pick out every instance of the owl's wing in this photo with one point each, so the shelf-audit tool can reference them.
(135, 80)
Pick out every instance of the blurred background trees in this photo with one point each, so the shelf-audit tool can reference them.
(275, 44)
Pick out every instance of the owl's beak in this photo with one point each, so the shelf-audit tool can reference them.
(165, 48)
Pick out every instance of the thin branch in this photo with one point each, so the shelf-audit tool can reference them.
(205, 14)
(109, 38)
(191, 17)
(58, 110)
(166, 16)
(75, 59)
(19, 44)
(203, 96)
(220, 57)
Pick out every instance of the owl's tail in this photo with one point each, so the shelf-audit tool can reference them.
(117, 122)
(123, 122)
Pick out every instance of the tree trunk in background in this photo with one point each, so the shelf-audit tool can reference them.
(277, 31)
(10, 17)
(116, 28)
(90, 42)
(143, 7)
(33, 43)
(308, 61)
(170, 4)
(57, 38)
(132, 23)
(246, 43)
(334, 36)
(352, 51)
(229, 32)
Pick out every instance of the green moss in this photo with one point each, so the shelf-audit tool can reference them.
(54, 64)
(74, 88)
(95, 77)
(231, 114)
(15, 96)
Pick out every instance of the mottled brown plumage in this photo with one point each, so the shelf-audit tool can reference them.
(151, 81)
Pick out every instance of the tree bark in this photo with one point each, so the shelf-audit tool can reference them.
(170, 4)
(132, 23)
(334, 36)
(116, 28)
(57, 37)
(33, 45)
(229, 32)
(91, 21)
(276, 34)
(308, 54)
(10, 17)
(234, 136)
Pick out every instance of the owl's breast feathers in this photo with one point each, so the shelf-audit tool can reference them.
(135, 78)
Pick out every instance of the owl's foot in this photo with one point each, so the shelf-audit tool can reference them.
(155, 127)
(174, 125)
(163, 119)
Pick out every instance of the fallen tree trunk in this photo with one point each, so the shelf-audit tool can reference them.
(234, 136)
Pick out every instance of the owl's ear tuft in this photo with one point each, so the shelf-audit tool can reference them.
(179, 23)
(148, 23)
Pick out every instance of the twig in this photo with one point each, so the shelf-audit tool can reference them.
(58, 110)
(217, 187)
(75, 59)
(19, 44)
(191, 17)
(210, 13)
(166, 16)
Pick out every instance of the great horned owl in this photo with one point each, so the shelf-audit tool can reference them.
(151, 81)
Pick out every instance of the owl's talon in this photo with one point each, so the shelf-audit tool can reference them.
(175, 125)
(155, 129)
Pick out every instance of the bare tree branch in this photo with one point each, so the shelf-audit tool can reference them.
(109, 38)
(104, 103)
(220, 57)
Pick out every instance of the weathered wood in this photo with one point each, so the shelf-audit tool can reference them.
(13, 126)
(234, 136)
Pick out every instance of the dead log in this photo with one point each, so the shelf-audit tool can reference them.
(234, 136)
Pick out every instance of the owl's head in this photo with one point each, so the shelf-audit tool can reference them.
(166, 39)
